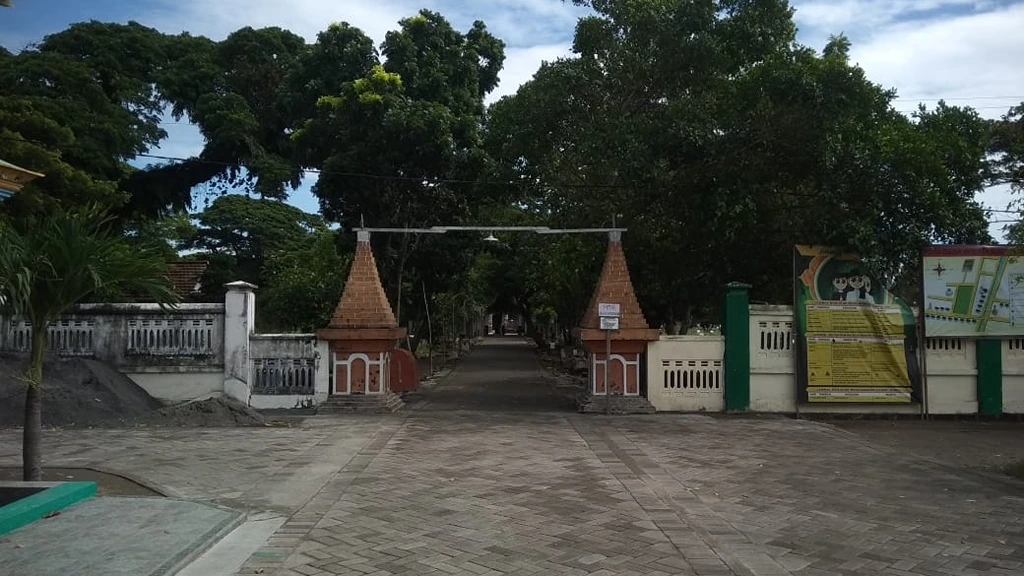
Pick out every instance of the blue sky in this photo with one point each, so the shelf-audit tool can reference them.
(966, 51)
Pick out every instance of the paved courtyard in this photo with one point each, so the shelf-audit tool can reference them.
(489, 474)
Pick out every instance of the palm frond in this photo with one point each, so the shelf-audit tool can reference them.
(49, 264)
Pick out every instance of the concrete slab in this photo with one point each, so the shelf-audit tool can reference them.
(49, 497)
(226, 556)
(116, 537)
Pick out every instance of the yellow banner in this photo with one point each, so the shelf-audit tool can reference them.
(864, 361)
(846, 319)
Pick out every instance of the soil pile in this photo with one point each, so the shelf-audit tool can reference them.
(79, 392)
(218, 411)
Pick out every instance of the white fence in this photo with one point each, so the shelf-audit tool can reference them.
(129, 335)
(174, 355)
(684, 373)
(287, 369)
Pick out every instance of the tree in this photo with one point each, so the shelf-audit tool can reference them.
(413, 125)
(48, 265)
(250, 229)
(302, 285)
(719, 142)
(1007, 147)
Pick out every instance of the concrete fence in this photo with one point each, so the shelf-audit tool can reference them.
(198, 350)
(687, 373)
(192, 351)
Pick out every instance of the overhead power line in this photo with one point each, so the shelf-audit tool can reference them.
(430, 180)
(958, 98)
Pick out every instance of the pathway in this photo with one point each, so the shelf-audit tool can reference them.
(485, 478)
(501, 374)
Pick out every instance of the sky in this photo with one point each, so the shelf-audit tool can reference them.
(963, 51)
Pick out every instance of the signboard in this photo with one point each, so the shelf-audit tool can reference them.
(973, 291)
(609, 323)
(856, 342)
(608, 309)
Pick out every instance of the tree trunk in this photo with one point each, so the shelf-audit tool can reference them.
(31, 448)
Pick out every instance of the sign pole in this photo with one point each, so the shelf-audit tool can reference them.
(608, 315)
(607, 361)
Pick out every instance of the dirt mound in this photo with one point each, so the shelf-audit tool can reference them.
(79, 392)
(218, 411)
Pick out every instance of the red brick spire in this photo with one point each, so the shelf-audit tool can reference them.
(614, 286)
(363, 304)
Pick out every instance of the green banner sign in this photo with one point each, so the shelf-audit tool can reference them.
(856, 342)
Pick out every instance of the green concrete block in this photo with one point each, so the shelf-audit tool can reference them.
(32, 508)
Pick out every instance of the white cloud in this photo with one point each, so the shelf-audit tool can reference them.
(534, 30)
(518, 22)
(522, 63)
(971, 58)
(964, 51)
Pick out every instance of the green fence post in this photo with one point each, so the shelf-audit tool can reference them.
(990, 376)
(736, 329)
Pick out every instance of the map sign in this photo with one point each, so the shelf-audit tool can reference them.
(973, 291)
(856, 342)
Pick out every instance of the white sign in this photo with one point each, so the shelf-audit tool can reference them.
(609, 323)
(608, 309)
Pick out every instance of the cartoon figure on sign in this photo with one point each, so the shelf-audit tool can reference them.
(860, 288)
(840, 286)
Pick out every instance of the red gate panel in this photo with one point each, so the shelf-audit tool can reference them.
(404, 373)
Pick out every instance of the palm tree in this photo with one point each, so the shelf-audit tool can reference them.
(48, 264)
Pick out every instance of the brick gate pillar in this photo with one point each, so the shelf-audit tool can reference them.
(363, 330)
(629, 342)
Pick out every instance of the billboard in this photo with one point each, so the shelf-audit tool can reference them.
(973, 291)
(856, 342)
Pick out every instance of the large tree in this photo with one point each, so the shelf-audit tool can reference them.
(49, 264)
(400, 144)
(719, 142)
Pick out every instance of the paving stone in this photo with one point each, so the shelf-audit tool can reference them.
(489, 475)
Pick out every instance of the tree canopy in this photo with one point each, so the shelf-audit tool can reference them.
(702, 126)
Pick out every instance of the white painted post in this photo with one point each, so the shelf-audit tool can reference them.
(324, 366)
(239, 324)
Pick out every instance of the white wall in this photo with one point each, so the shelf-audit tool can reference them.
(1013, 376)
(772, 377)
(684, 374)
(172, 387)
(286, 401)
(950, 383)
(952, 369)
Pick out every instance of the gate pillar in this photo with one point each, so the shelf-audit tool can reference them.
(629, 342)
(363, 330)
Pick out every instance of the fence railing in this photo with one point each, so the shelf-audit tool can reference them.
(127, 335)
(284, 363)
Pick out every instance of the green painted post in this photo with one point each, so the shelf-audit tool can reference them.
(990, 377)
(736, 329)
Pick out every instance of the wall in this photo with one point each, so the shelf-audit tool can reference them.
(1013, 376)
(951, 365)
(288, 370)
(684, 374)
(178, 385)
(175, 355)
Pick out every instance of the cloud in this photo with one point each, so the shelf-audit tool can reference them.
(533, 30)
(518, 22)
(522, 63)
(962, 50)
(966, 52)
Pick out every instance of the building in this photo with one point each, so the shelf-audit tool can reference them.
(12, 178)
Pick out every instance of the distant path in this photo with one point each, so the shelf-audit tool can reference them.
(501, 374)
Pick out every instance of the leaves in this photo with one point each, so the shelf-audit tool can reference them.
(49, 264)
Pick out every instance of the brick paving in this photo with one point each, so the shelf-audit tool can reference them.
(456, 486)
